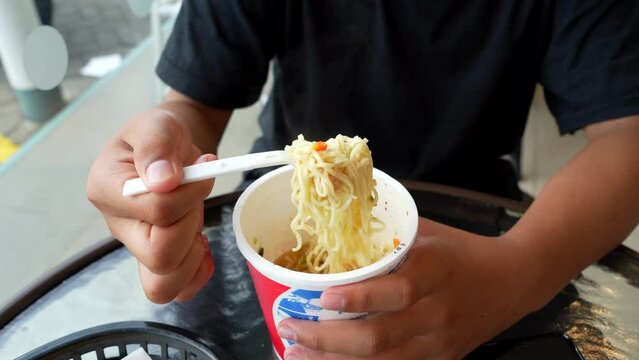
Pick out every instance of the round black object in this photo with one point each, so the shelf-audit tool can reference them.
(117, 340)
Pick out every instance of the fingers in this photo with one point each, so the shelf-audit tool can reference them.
(353, 337)
(161, 209)
(162, 229)
(171, 266)
(160, 249)
(415, 333)
(390, 292)
(385, 293)
(416, 348)
(202, 276)
(164, 209)
(162, 289)
(104, 189)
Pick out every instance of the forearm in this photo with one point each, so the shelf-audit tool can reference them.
(587, 209)
(207, 124)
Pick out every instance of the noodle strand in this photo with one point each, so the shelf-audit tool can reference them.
(334, 192)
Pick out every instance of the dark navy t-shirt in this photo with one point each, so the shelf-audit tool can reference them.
(441, 89)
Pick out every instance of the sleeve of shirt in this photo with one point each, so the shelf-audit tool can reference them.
(219, 51)
(591, 70)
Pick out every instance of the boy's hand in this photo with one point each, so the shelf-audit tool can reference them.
(162, 229)
(455, 291)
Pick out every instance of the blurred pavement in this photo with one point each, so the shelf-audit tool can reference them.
(90, 28)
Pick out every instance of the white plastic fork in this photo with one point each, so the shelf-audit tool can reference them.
(215, 168)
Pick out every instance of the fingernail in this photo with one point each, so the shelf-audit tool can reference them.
(201, 159)
(159, 171)
(292, 353)
(292, 357)
(205, 158)
(287, 333)
(333, 302)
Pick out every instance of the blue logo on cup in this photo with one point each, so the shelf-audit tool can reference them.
(305, 304)
(300, 304)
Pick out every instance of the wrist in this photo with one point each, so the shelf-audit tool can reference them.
(529, 274)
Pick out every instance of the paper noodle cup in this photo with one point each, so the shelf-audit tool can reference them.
(263, 214)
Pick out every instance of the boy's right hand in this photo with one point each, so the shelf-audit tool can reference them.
(163, 228)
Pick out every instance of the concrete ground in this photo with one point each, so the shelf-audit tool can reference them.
(90, 28)
(45, 216)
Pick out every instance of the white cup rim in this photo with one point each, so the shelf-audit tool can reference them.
(320, 281)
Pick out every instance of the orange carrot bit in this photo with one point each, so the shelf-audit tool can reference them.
(319, 146)
(396, 243)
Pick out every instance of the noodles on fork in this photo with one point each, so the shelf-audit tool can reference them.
(334, 192)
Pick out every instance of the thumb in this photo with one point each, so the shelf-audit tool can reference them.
(161, 175)
(159, 148)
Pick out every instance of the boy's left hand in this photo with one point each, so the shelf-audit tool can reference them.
(455, 291)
